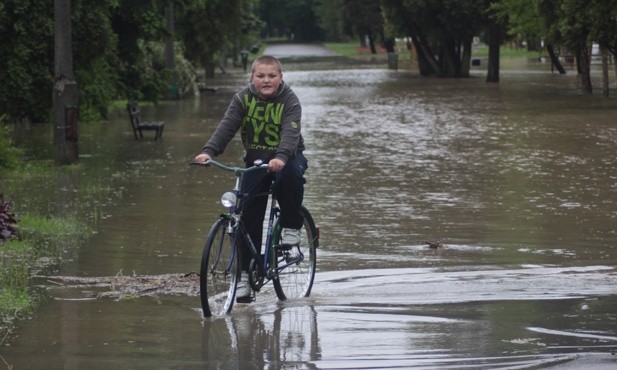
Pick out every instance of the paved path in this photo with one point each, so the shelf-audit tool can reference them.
(297, 50)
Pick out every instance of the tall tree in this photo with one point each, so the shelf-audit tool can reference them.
(290, 18)
(26, 47)
(495, 34)
(330, 18)
(442, 31)
(27, 62)
(493, 39)
(140, 26)
(65, 87)
(365, 18)
(526, 20)
(604, 32)
(209, 26)
(574, 27)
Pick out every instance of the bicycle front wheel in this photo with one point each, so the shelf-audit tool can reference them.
(295, 266)
(219, 271)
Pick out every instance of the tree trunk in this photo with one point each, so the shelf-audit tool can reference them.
(584, 65)
(494, 43)
(427, 63)
(555, 59)
(209, 66)
(389, 43)
(371, 42)
(466, 58)
(451, 58)
(605, 82)
(64, 98)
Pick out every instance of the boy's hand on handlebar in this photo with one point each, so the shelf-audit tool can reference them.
(275, 165)
(202, 158)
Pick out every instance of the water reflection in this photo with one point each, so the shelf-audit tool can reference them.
(247, 340)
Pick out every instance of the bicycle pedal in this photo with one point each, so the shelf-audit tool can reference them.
(247, 299)
(281, 250)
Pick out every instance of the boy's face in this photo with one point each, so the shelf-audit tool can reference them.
(267, 80)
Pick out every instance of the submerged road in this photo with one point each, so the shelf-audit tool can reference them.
(298, 50)
(515, 183)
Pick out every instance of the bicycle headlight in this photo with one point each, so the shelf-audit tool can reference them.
(228, 199)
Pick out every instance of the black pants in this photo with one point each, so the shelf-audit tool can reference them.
(288, 188)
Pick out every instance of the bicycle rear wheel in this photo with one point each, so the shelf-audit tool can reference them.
(295, 266)
(218, 272)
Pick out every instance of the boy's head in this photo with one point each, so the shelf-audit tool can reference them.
(267, 59)
(266, 75)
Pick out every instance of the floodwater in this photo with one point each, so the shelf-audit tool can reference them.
(516, 180)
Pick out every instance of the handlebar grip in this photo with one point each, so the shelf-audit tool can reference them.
(210, 162)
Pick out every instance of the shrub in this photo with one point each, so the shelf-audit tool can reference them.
(7, 221)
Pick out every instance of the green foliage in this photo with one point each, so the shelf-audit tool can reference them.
(442, 31)
(21, 258)
(27, 47)
(13, 299)
(185, 73)
(116, 49)
(154, 76)
(207, 27)
(562, 22)
(110, 55)
(330, 19)
(9, 155)
(97, 89)
(14, 261)
(604, 24)
(296, 16)
(26, 34)
(137, 25)
(364, 16)
(95, 57)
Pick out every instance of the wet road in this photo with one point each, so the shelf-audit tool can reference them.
(297, 50)
(515, 180)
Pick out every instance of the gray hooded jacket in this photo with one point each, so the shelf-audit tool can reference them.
(269, 128)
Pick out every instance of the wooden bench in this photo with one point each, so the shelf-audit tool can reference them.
(139, 126)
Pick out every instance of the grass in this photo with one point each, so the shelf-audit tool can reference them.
(56, 208)
(41, 242)
(45, 232)
(353, 50)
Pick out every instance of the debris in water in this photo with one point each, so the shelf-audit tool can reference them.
(435, 245)
(125, 287)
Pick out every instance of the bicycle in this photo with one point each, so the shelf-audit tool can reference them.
(290, 268)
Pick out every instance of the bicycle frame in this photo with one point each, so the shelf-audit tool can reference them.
(236, 226)
(261, 256)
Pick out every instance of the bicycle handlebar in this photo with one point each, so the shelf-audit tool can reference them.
(235, 170)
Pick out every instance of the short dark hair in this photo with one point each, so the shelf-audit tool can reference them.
(267, 59)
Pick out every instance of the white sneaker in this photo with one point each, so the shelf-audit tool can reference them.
(291, 237)
(243, 288)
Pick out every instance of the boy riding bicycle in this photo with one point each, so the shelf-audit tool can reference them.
(268, 114)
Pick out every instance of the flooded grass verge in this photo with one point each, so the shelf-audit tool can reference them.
(41, 242)
(48, 231)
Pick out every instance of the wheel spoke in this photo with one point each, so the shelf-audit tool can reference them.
(218, 272)
(295, 266)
